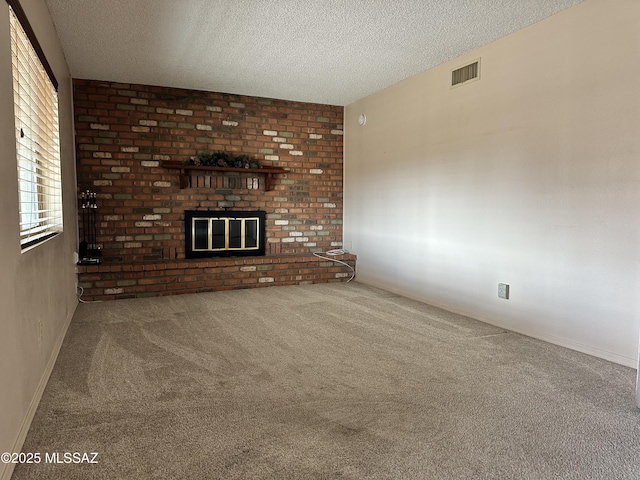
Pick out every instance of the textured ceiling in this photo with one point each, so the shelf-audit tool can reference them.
(320, 51)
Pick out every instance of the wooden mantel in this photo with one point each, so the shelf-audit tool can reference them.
(184, 169)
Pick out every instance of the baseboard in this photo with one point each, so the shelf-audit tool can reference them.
(638, 386)
(7, 468)
(562, 342)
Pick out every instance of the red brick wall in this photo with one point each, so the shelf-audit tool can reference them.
(124, 132)
(119, 281)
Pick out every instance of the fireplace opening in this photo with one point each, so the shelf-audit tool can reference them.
(224, 233)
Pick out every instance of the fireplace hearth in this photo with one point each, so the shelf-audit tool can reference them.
(214, 233)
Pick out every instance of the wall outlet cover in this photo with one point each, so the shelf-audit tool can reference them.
(503, 291)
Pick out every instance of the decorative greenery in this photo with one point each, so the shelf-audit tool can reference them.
(223, 159)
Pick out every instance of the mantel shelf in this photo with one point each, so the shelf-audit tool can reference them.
(184, 180)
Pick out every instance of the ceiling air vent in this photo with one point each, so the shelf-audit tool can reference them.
(465, 74)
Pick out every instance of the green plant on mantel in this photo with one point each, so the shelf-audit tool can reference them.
(222, 159)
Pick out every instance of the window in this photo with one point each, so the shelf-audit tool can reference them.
(37, 134)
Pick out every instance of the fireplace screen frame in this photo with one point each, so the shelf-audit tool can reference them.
(234, 245)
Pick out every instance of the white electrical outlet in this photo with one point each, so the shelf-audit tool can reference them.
(503, 291)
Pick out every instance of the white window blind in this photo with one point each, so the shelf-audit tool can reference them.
(37, 141)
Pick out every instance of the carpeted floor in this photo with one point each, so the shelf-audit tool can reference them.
(325, 381)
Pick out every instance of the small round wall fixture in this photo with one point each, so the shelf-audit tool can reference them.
(362, 119)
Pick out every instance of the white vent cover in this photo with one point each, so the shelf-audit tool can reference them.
(465, 74)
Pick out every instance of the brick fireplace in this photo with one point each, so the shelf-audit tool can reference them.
(126, 133)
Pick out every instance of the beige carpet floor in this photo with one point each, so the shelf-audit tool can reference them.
(333, 381)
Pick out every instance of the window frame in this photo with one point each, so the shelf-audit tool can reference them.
(24, 21)
(38, 157)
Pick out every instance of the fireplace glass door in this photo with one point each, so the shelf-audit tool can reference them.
(224, 233)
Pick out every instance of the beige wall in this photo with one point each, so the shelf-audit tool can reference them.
(38, 285)
(530, 176)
